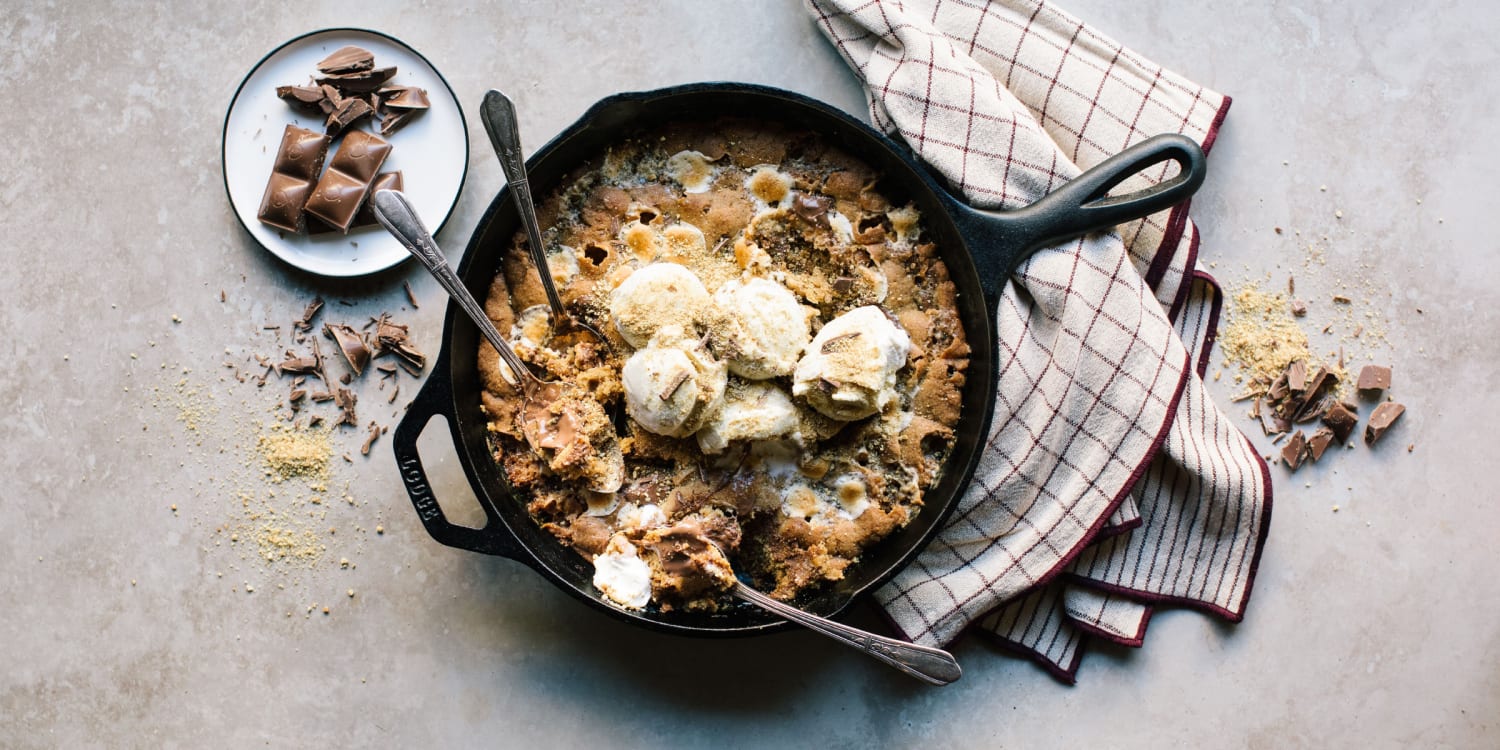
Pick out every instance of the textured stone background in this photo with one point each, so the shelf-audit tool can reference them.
(1374, 626)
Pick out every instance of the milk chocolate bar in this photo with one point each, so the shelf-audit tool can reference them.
(343, 188)
(292, 175)
(366, 215)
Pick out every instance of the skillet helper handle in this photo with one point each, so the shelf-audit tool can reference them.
(1006, 238)
(434, 400)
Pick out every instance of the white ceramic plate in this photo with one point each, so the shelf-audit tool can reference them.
(431, 151)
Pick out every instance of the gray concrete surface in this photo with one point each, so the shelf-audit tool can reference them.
(126, 623)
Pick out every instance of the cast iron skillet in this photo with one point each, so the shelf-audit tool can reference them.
(980, 248)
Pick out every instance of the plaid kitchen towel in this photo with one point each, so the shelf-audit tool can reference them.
(1110, 483)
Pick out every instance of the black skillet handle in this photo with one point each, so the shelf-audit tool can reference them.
(1001, 240)
(436, 399)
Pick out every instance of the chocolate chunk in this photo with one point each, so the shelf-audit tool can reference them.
(359, 82)
(1296, 376)
(305, 98)
(344, 186)
(812, 209)
(1374, 378)
(298, 161)
(351, 345)
(1278, 389)
(347, 60)
(397, 120)
(1341, 420)
(1341, 299)
(350, 111)
(1294, 451)
(1299, 308)
(1319, 442)
(391, 338)
(404, 97)
(1385, 415)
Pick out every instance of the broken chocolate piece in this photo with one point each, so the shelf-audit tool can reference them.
(1296, 376)
(1319, 442)
(1381, 420)
(404, 97)
(359, 82)
(1299, 308)
(391, 338)
(396, 120)
(1374, 378)
(298, 161)
(1293, 452)
(351, 345)
(1341, 299)
(349, 59)
(349, 111)
(812, 209)
(306, 98)
(1341, 420)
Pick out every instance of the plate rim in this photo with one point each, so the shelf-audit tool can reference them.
(234, 99)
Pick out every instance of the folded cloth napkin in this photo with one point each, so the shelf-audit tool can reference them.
(1110, 483)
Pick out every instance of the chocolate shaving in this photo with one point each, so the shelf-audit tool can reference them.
(345, 400)
(394, 391)
(1299, 308)
(364, 450)
(351, 345)
(682, 377)
(321, 396)
(314, 420)
(349, 59)
(386, 367)
(1374, 378)
(1381, 420)
(835, 343)
(296, 395)
(1294, 451)
(410, 295)
(302, 365)
(304, 323)
(1341, 299)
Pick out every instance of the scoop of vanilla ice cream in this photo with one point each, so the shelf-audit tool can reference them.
(621, 575)
(673, 384)
(759, 326)
(849, 371)
(751, 411)
(654, 296)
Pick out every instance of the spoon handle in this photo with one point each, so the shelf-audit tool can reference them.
(395, 213)
(931, 665)
(500, 121)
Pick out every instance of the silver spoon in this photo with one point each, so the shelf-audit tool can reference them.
(396, 214)
(931, 665)
(499, 116)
